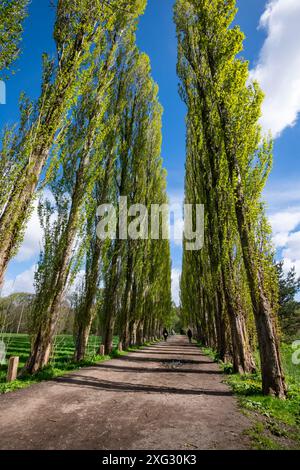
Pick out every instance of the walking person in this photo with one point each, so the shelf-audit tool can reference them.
(190, 335)
(165, 334)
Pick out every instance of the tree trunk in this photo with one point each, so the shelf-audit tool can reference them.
(109, 335)
(273, 380)
(132, 329)
(220, 325)
(125, 336)
(140, 333)
(41, 347)
(87, 311)
(82, 339)
(242, 357)
(110, 301)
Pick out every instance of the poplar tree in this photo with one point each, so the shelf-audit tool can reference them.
(130, 279)
(80, 26)
(81, 154)
(104, 192)
(130, 160)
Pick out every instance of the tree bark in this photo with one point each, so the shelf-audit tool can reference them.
(140, 333)
(82, 339)
(273, 380)
(41, 347)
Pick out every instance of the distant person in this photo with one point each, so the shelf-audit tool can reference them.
(190, 335)
(165, 334)
(173, 333)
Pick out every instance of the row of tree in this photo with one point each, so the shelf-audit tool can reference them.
(93, 138)
(229, 289)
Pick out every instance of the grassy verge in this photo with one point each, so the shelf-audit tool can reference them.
(276, 423)
(61, 362)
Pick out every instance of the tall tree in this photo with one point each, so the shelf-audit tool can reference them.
(104, 192)
(228, 113)
(82, 155)
(130, 280)
(80, 26)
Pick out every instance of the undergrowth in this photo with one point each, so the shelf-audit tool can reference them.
(277, 420)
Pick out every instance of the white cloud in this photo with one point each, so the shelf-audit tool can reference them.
(283, 199)
(292, 247)
(286, 237)
(280, 239)
(176, 273)
(289, 264)
(283, 194)
(278, 68)
(176, 197)
(176, 224)
(33, 238)
(22, 283)
(284, 222)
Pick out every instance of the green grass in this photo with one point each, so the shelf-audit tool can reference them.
(259, 439)
(281, 418)
(61, 361)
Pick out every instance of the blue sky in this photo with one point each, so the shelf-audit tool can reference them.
(274, 55)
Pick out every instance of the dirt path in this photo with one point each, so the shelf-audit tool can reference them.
(167, 396)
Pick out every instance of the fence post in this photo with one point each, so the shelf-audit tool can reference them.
(12, 370)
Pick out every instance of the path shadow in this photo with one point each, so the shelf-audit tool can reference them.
(169, 352)
(148, 359)
(164, 370)
(91, 382)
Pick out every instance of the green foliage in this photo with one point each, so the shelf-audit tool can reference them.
(277, 418)
(137, 273)
(210, 353)
(229, 288)
(289, 308)
(12, 15)
(277, 412)
(82, 29)
(260, 440)
(14, 312)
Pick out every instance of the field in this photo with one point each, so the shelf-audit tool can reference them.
(61, 360)
(276, 423)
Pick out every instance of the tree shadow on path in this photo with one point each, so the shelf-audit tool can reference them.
(164, 370)
(148, 359)
(105, 385)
